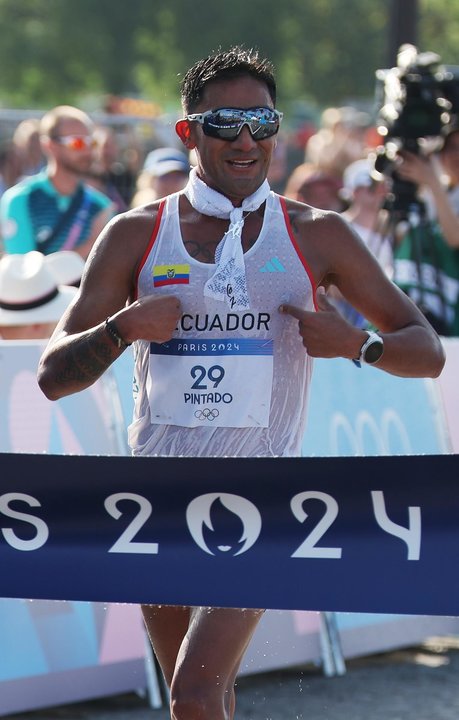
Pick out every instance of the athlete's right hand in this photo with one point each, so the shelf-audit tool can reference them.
(152, 318)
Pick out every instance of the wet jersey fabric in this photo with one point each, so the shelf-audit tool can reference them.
(32, 211)
(229, 383)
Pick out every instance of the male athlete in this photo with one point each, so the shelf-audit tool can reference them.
(222, 289)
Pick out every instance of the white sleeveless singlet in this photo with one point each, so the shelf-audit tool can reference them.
(228, 383)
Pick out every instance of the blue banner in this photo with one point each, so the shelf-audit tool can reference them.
(367, 534)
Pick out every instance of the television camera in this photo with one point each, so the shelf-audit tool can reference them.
(417, 100)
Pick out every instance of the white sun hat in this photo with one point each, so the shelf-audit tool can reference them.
(66, 265)
(29, 292)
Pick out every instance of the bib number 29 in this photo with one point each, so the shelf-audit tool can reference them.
(213, 375)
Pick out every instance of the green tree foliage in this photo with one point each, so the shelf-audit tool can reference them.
(325, 51)
(439, 29)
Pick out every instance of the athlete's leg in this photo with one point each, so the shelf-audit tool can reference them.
(208, 661)
(230, 696)
(166, 626)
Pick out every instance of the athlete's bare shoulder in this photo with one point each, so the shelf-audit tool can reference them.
(311, 222)
(121, 246)
(128, 234)
(323, 237)
(138, 220)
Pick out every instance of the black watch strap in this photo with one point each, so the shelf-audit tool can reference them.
(112, 330)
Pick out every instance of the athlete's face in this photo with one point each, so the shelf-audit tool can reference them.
(238, 168)
(73, 146)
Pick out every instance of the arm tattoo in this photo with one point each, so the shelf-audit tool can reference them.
(88, 359)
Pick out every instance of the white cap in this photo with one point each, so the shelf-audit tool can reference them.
(358, 174)
(166, 160)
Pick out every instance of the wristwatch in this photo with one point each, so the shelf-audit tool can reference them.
(372, 349)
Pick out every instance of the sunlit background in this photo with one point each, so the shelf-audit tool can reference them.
(122, 60)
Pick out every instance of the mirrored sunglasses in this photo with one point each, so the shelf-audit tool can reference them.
(227, 123)
(76, 142)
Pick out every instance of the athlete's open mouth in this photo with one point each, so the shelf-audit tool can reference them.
(242, 163)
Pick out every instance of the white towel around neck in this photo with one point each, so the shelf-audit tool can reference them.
(228, 283)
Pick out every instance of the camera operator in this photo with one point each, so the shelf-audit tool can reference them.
(430, 252)
(443, 198)
(419, 104)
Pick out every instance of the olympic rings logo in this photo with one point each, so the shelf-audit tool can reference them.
(207, 414)
(367, 436)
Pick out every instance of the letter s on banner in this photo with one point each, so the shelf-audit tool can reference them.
(41, 527)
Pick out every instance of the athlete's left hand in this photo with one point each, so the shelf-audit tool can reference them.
(325, 333)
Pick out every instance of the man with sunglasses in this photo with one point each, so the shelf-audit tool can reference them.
(222, 289)
(56, 209)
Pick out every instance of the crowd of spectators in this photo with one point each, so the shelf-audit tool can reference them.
(408, 217)
(62, 177)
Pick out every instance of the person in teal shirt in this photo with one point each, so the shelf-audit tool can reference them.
(56, 209)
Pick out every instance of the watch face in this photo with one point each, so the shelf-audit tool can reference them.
(374, 352)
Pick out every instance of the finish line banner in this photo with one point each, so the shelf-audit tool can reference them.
(360, 534)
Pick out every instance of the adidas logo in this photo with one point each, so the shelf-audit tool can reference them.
(273, 265)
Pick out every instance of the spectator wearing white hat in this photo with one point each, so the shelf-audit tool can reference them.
(31, 298)
(165, 171)
(365, 190)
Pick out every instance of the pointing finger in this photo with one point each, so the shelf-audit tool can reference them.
(292, 310)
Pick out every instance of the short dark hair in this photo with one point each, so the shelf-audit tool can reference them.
(223, 65)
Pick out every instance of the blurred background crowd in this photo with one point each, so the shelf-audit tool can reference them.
(66, 170)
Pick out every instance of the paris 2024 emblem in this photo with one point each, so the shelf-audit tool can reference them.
(223, 523)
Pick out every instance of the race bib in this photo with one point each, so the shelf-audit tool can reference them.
(217, 383)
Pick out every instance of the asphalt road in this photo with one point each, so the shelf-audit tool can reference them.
(419, 683)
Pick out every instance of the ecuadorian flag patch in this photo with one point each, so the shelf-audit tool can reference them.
(171, 275)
